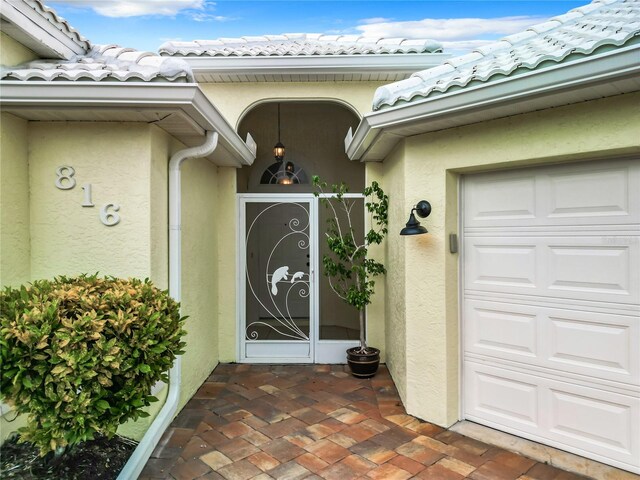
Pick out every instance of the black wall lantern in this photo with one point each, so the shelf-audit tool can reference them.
(423, 209)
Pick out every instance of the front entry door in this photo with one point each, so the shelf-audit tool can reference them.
(277, 289)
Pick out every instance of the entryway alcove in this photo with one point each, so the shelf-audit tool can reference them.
(287, 311)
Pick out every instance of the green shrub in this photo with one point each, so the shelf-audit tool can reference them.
(80, 355)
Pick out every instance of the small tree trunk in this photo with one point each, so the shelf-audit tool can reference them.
(363, 342)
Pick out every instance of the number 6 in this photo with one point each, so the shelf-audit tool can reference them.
(110, 218)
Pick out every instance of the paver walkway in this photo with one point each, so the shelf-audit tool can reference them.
(317, 421)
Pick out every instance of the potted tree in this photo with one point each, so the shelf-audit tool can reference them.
(349, 270)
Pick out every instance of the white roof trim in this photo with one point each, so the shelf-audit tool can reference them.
(315, 65)
(185, 99)
(39, 28)
(586, 78)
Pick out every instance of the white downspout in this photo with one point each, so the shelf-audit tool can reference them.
(143, 451)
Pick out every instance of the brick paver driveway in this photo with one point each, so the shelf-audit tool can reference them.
(317, 421)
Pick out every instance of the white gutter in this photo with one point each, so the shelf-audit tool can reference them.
(143, 451)
(24, 97)
(611, 73)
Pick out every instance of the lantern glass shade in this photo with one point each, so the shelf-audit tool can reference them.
(278, 151)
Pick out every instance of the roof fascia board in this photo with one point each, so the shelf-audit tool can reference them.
(183, 97)
(37, 33)
(315, 64)
(245, 154)
(532, 86)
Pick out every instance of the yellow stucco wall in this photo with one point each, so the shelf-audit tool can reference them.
(433, 163)
(376, 331)
(162, 146)
(200, 209)
(14, 201)
(227, 222)
(15, 262)
(13, 52)
(235, 99)
(69, 239)
(393, 182)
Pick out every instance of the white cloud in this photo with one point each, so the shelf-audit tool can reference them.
(448, 29)
(368, 21)
(206, 17)
(134, 8)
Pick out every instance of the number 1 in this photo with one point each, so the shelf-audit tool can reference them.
(87, 196)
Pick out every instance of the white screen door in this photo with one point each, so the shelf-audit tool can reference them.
(287, 312)
(277, 256)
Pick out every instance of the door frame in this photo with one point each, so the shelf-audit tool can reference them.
(320, 351)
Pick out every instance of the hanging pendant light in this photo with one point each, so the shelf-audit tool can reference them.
(278, 149)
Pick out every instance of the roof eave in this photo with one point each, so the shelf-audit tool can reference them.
(591, 77)
(314, 64)
(38, 34)
(195, 113)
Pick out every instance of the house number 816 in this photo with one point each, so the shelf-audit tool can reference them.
(65, 181)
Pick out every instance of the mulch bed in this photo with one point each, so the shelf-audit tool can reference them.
(99, 459)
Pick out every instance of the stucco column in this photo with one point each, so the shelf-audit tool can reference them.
(431, 295)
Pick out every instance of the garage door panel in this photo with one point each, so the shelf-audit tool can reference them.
(597, 345)
(583, 267)
(492, 200)
(600, 346)
(588, 268)
(504, 398)
(607, 193)
(551, 306)
(591, 418)
(591, 422)
(499, 264)
(503, 331)
(599, 193)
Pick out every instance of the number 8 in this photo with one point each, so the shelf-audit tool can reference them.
(68, 177)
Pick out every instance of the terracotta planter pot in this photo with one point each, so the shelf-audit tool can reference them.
(363, 365)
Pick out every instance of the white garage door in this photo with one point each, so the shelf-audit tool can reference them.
(551, 306)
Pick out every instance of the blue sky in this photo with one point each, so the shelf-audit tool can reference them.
(459, 25)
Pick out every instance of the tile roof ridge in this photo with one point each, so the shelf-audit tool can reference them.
(140, 60)
(341, 42)
(101, 62)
